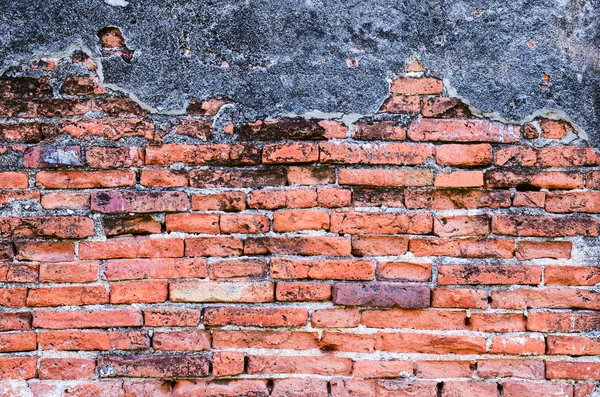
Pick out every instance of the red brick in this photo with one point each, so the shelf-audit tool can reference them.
(445, 108)
(227, 363)
(195, 128)
(110, 129)
(7, 251)
(82, 85)
(18, 368)
(456, 199)
(206, 107)
(299, 387)
(128, 247)
(551, 297)
(104, 389)
(238, 268)
(529, 199)
(368, 197)
(118, 107)
(571, 275)
(87, 319)
(139, 201)
(347, 342)
(93, 340)
(26, 133)
(488, 274)
(469, 389)
(468, 248)
(214, 246)
(449, 369)
(449, 226)
(138, 292)
(318, 365)
(354, 222)
(584, 389)
(369, 369)
(554, 129)
(397, 104)
(417, 85)
(518, 344)
(84, 179)
(193, 223)
(199, 291)
(67, 368)
(17, 342)
(333, 197)
(572, 370)
(293, 220)
(295, 129)
(171, 317)
(381, 130)
(534, 180)
(164, 178)
(244, 223)
(13, 180)
(497, 322)
(264, 317)
(335, 318)
(592, 180)
(45, 251)
(67, 296)
(294, 340)
(379, 245)
(18, 273)
(154, 366)
(192, 340)
(462, 131)
(410, 342)
(25, 87)
(235, 178)
(479, 155)
(540, 249)
(391, 388)
(69, 272)
(414, 319)
(302, 291)
(309, 246)
(404, 271)
(15, 321)
(66, 200)
(214, 154)
(381, 294)
(573, 345)
(551, 156)
(136, 224)
(573, 202)
(7, 196)
(13, 297)
(226, 201)
(307, 175)
(63, 107)
(322, 269)
(114, 157)
(290, 152)
(544, 226)
(382, 154)
(276, 199)
(388, 177)
(47, 226)
(513, 388)
(459, 179)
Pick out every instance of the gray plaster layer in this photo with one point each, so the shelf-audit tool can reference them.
(291, 56)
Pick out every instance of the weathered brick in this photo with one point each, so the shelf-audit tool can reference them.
(550, 297)
(404, 271)
(290, 152)
(26, 133)
(293, 220)
(381, 294)
(450, 226)
(513, 388)
(529, 199)
(66, 200)
(121, 201)
(45, 251)
(368, 197)
(450, 369)
(369, 369)
(66, 368)
(414, 319)
(518, 344)
(111, 129)
(379, 177)
(227, 363)
(318, 365)
(347, 342)
(301, 129)
(150, 291)
(354, 222)
(379, 245)
(167, 317)
(15, 321)
(573, 345)
(531, 180)
(544, 226)
(213, 154)
(18, 367)
(463, 131)
(335, 318)
(382, 154)
(379, 130)
(459, 179)
(193, 223)
(497, 322)
(572, 370)
(540, 249)
(468, 248)
(214, 246)
(67, 296)
(479, 155)
(137, 224)
(571, 275)
(25, 87)
(401, 104)
(87, 319)
(226, 201)
(114, 157)
(294, 340)
(302, 291)
(429, 343)
(306, 175)
(309, 246)
(238, 268)
(195, 128)
(47, 226)
(238, 178)
(127, 247)
(84, 179)
(488, 274)
(456, 199)
(164, 178)
(154, 366)
(573, 202)
(13, 180)
(417, 85)
(189, 340)
(198, 291)
(322, 269)
(17, 342)
(445, 108)
(244, 223)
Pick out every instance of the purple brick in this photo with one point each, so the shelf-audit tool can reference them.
(381, 294)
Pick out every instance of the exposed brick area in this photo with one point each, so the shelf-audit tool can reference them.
(417, 252)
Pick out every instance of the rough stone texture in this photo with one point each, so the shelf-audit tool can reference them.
(511, 58)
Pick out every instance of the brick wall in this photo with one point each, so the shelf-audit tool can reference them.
(419, 251)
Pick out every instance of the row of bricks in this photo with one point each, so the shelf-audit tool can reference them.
(431, 319)
(453, 155)
(171, 247)
(278, 176)
(374, 294)
(341, 222)
(288, 268)
(299, 387)
(419, 130)
(232, 363)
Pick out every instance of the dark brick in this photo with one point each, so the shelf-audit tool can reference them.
(381, 294)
